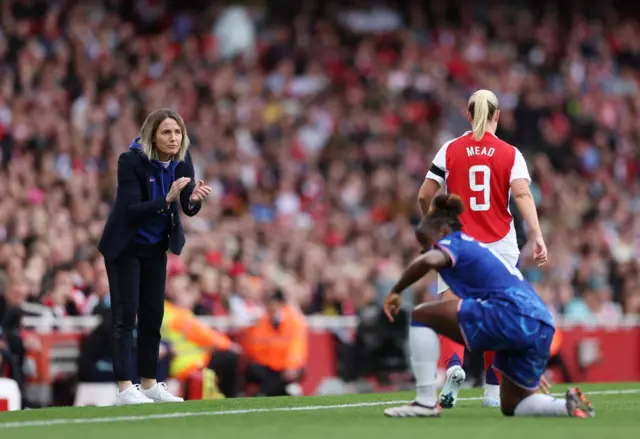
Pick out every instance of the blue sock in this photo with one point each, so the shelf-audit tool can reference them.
(454, 361)
(490, 377)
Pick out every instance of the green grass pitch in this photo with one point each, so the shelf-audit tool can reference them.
(336, 417)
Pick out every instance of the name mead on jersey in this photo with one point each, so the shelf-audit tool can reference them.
(480, 150)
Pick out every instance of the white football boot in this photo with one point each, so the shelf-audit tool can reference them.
(413, 410)
(449, 393)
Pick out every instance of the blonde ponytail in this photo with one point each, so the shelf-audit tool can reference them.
(482, 107)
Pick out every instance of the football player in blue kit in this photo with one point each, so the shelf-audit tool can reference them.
(497, 310)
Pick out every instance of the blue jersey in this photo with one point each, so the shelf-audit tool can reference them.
(478, 272)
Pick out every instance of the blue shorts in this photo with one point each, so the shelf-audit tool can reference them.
(522, 344)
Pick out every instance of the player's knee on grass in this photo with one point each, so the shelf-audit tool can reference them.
(507, 409)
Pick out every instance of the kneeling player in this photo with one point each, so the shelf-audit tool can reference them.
(498, 310)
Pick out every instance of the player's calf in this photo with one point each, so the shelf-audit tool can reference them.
(574, 405)
(424, 344)
(425, 350)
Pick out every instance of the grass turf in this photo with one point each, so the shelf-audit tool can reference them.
(348, 416)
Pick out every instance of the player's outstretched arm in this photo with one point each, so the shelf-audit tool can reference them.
(527, 206)
(431, 260)
(420, 266)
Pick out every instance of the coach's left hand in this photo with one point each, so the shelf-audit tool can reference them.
(200, 192)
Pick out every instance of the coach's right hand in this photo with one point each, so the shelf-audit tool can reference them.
(176, 188)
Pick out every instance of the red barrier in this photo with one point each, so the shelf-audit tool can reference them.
(322, 361)
(41, 359)
(591, 355)
(602, 355)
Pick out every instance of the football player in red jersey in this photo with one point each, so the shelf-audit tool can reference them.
(484, 171)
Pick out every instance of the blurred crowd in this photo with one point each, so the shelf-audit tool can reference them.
(315, 123)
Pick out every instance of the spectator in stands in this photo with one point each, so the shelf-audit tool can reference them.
(98, 300)
(95, 364)
(12, 349)
(193, 344)
(153, 177)
(594, 305)
(245, 307)
(379, 345)
(276, 347)
(65, 299)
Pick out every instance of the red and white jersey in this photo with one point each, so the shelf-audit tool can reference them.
(480, 173)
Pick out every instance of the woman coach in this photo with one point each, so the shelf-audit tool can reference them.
(154, 176)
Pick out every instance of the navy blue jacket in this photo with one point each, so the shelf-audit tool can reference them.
(135, 204)
(154, 230)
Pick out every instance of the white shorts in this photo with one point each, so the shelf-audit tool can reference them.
(511, 259)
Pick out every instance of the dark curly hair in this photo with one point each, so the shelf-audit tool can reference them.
(446, 211)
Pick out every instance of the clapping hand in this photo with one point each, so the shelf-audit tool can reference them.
(200, 192)
(176, 188)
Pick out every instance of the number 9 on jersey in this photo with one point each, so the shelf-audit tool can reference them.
(483, 173)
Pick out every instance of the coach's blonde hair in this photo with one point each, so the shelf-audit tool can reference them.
(483, 105)
(148, 132)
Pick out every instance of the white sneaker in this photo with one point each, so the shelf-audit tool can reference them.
(413, 410)
(132, 395)
(449, 393)
(491, 396)
(159, 393)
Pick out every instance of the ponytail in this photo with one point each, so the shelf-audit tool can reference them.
(483, 105)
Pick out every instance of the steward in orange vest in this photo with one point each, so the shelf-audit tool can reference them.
(276, 347)
(195, 346)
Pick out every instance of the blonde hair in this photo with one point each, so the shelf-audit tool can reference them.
(150, 127)
(483, 105)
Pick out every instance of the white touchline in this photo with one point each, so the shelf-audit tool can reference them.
(70, 421)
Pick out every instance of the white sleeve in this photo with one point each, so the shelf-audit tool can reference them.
(438, 170)
(519, 169)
